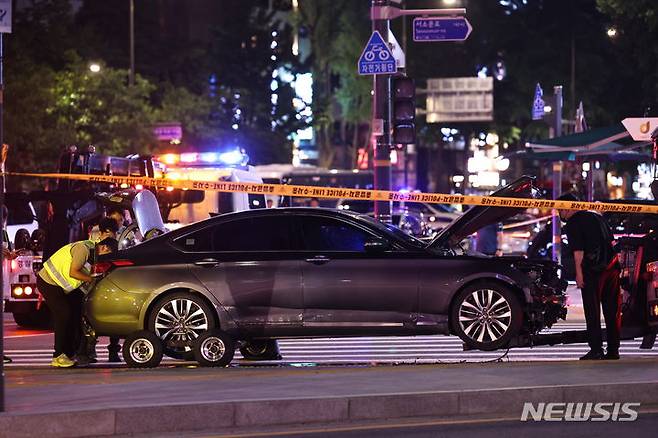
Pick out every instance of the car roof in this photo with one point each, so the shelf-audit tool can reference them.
(258, 212)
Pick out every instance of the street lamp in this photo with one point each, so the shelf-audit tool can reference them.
(612, 32)
(94, 67)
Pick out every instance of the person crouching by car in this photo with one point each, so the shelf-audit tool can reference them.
(597, 276)
(59, 282)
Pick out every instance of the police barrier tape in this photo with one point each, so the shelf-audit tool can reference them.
(344, 193)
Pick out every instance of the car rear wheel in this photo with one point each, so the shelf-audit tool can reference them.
(179, 319)
(486, 316)
(261, 350)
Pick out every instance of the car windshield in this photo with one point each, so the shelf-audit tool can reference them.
(392, 229)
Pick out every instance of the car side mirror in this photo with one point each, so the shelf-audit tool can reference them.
(376, 245)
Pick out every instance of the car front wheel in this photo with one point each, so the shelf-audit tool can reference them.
(179, 319)
(486, 316)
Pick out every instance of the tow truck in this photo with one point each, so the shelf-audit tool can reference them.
(75, 205)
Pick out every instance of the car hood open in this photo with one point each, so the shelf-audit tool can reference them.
(480, 216)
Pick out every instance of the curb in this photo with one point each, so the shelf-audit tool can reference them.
(263, 413)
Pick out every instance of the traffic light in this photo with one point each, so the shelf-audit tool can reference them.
(403, 114)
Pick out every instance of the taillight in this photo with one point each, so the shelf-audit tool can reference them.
(102, 268)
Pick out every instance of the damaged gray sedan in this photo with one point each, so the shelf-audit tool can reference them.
(265, 274)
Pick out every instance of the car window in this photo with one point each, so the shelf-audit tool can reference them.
(271, 233)
(326, 234)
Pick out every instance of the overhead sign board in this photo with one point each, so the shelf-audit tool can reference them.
(168, 131)
(377, 58)
(429, 29)
(460, 100)
(538, 104)
(641, 128)
(5, 16)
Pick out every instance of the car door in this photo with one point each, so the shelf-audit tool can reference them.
(347, 288)
(249, 266)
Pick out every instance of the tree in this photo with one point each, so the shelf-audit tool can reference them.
(47, 110)
(321, 20)
(353, 94)
(100, 109)
(192, 111)
(636, 23)
(254, 68)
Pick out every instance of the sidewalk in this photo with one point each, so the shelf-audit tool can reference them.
(83, 402)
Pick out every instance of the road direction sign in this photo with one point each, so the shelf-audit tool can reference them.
(641, 128)
(5, 16)
(377, 58)
(538, 104)
(428, 29)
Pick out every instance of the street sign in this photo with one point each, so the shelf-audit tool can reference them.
(377, 58)
(5, 16)
(538, 104)
(168, 131)
(398, 53)
(468, 99)
(641, 128)
(428, 29)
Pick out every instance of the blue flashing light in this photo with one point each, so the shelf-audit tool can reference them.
(209, 157)
(233, 158)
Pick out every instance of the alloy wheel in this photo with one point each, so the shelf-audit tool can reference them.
(179, 322)
(485, 315)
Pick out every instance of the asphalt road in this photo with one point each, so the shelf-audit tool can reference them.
(644, 426)
(33, 348)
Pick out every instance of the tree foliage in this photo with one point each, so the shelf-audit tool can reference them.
(636, 23)
(253, 61)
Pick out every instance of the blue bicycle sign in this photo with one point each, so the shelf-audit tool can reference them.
(377, 57)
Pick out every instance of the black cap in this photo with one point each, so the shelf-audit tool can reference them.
(111, 243)
(568, 197)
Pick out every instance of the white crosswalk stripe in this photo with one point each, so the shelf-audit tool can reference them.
(385, 350)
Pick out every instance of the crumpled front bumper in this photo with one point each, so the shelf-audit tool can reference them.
(549, 304)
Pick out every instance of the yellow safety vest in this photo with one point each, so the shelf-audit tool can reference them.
(58, 266)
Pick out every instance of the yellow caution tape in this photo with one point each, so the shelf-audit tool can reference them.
(344, 193)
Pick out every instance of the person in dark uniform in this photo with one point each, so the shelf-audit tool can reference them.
(597, 276)
(490, 240)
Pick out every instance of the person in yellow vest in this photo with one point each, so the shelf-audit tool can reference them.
(59, 282)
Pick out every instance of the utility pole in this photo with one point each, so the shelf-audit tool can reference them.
(381, 118)
(131, 74)
(5, 27)
(378, 60)
(557, 178)
(2, 234)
